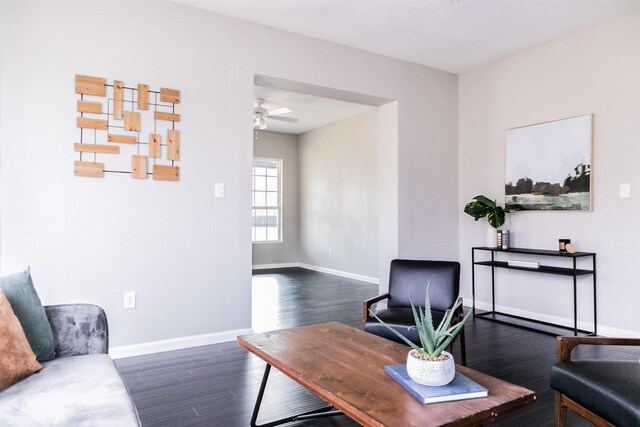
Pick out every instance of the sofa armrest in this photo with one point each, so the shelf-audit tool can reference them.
(78, 329)
(565, 345)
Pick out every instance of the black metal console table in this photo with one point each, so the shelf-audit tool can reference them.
(524, 322)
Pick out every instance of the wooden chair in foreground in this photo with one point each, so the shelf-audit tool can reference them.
(605, 392)
(409, 278)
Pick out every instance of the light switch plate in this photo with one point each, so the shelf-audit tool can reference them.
(625, 191)
(219, 192)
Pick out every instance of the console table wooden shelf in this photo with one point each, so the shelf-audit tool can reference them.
(527, 323)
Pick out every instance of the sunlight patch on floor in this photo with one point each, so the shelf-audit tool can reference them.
(265, 296)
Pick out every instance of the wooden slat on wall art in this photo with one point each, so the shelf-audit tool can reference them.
(88, 169)
(90, 85)
(154, 145)
(88, 123)
(169, 95)
(117, 99)
(173, 144)
(166, 173)
(123, 139)
(97, 148)
(131, 121)
(143, 97)
(159, 115)
(139, 167)
(89, 107)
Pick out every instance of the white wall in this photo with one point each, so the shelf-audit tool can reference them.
(187, 254)
(595, 71)
(283, 146)
(338, 169)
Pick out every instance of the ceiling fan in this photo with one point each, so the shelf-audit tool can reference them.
(262, 111)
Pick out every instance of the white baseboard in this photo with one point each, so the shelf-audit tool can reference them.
(176, 343)
(355, 276)
(603, 330)
(268, 266)
(360, 277)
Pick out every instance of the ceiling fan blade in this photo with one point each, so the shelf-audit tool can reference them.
(283, 119)
(279, 111)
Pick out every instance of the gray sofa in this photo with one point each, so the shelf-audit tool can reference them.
(80, 386)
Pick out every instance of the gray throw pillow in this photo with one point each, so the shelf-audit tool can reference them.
(24, 300)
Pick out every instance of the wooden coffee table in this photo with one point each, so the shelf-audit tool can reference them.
(344, 366)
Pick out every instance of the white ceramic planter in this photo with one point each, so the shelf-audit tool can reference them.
(429, 372)
(492, 237)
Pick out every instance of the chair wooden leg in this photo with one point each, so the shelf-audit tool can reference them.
(560, 412)
(463, 348)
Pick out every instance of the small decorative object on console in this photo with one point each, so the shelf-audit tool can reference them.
(525, 264)
(562, 244)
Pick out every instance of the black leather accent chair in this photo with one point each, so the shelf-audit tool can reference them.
(605, 392)
(409, 278)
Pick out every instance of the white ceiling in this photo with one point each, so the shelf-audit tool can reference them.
(451, 35)
(312, 111)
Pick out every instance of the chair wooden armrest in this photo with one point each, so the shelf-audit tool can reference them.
(565, 345)
(366, 305)
(459, 315)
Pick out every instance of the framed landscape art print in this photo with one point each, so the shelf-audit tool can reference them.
(548, 165)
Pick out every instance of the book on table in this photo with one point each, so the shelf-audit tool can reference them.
(459, 389)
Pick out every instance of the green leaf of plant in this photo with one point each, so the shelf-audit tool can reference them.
(476, 210)
(483, 200)
(496, 217)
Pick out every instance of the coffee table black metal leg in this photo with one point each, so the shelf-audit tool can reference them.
(327, 411)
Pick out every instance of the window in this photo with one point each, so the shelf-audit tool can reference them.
(266, 200)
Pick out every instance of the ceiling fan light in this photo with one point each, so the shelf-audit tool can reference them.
(259, 122)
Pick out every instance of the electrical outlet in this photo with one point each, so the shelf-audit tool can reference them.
(219, 189)
(330, 251)
(129, 299)
(625, 191)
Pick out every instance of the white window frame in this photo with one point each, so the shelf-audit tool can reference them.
(278, 207)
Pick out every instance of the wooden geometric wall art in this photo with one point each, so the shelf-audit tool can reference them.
(97, 148)
(154, 145)
(143, 97)
(173, 141)
(132, 121)
(139, 166)
(87, 85)
(165, 173)
(88, 169)
(117, 100)
(89, 107)
(159, 115)
(121, 139)
(111, 119)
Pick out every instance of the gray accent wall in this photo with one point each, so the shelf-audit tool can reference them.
(338, 171)
(283, 146)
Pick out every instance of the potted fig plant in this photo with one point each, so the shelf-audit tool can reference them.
(483, 207)
(429, 364)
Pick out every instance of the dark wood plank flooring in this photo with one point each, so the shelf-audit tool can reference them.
(216, 385)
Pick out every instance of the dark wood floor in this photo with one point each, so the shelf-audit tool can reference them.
(216, 385)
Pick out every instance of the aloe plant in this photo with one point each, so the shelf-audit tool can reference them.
(433, 340)
(483, 207)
